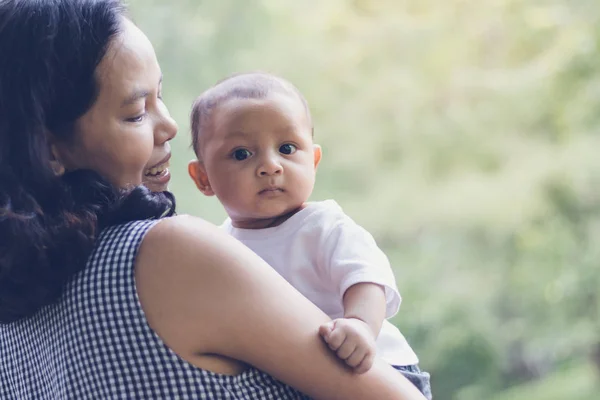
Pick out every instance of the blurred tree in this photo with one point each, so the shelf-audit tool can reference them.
(463, 134)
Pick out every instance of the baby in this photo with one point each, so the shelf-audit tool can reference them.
(253, 137)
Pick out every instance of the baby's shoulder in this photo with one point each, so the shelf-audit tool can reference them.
(327, 216)
(329, 208)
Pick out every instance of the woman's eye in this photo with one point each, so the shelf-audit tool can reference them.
(287, 149)
(241, 154)
(139, 118)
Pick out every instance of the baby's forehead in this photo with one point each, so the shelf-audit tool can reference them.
(275, 108)
(230, 95)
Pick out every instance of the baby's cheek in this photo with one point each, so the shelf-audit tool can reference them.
(236, 192)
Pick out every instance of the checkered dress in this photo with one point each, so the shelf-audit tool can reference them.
(95, 342)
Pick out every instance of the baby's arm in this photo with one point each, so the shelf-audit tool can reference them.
(352, 263)
(352, 338)
(366, 302)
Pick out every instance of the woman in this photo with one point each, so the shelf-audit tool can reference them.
(103, 293)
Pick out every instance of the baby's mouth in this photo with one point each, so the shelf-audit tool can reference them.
(271, 190)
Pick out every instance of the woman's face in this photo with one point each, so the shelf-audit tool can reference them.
(125, 135)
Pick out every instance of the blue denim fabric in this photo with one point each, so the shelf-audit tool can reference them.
(420, 379)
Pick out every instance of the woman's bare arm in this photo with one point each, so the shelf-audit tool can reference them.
(205, 293)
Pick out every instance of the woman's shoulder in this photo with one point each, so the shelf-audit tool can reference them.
(159, 232)
(185, 245)
(184, 234)
(180, 224)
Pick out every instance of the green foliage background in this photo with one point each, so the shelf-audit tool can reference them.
(464, 135)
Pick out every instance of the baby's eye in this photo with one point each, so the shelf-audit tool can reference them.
(287, 149)
(241, 154)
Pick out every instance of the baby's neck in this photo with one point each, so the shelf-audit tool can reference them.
(263, 223)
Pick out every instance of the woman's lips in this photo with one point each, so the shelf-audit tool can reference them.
(158, 176)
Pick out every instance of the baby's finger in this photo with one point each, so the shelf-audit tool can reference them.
(356, 357)
(325, 330)
(346, 349)
(336, 338)
(366, 363)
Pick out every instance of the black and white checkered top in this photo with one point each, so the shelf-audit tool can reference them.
(95, 342)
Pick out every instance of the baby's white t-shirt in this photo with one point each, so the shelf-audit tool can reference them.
(322, 252)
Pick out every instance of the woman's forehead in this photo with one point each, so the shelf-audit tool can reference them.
(130, 64)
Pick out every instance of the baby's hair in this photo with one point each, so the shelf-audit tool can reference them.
(247, 85)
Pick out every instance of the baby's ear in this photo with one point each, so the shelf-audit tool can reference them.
(318, 153)
(198, 175)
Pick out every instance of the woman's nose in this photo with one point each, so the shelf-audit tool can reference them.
(167, 128)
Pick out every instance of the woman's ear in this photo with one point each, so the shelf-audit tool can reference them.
(198, 174)
(55, 161)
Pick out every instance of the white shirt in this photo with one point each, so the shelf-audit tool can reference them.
(322, 252)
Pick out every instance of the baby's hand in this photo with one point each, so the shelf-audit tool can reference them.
(352, 341)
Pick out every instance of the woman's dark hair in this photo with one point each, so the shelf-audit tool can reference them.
(49, 51)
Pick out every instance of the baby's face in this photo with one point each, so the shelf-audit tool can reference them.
(259, 157)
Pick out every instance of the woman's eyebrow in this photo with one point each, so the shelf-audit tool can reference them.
(135, 96)
(138, 94)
